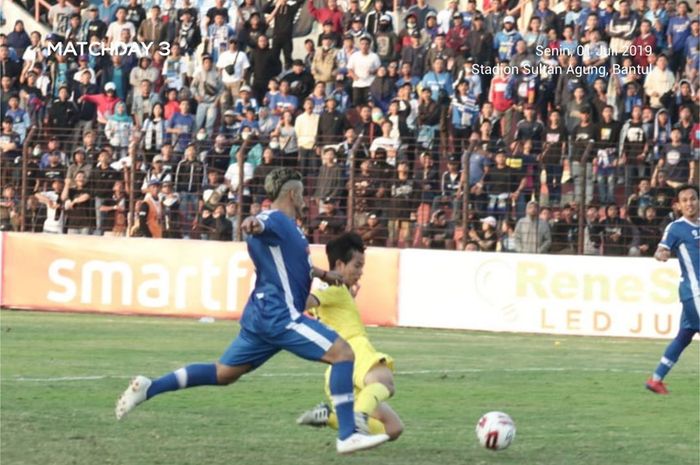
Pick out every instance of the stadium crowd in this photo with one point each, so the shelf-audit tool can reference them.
(479, 128)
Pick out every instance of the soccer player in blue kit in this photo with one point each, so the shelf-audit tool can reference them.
(682, 237)
(273, 318)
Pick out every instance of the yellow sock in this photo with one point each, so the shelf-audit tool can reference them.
(370, 397)
(375, 426)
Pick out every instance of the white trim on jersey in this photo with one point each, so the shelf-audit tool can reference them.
(311, 335)
(692, 277)
(276, 253)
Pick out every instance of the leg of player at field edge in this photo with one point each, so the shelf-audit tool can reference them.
(670, 357)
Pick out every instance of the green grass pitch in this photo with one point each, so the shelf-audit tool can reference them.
(575, 400)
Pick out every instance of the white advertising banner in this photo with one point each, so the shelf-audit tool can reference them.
(597, 296)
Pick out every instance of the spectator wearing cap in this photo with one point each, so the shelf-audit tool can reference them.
(421, 10)
(77, 204)
(456, 36)
(282, 12)
(331, 123)
(80, 164)
(532, 234)
(415, 55)
(150, 212)
(244, 102)
(487, 236)
(357, 30)
(104, 102)
(156, 172)
(300, 80)
(205, 88)
(373, 232)
(62, 113)
(505, 40)
(438, 233)
(264, 66)
(385, 40)
(232, 65)
(329, 223)
(362, 66)
(324, 66)
(327, 13)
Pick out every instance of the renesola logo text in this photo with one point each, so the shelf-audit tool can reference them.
(116, 48)
(209, 285)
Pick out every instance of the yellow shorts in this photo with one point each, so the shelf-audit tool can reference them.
(366, 357)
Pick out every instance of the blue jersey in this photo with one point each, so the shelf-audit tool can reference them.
(683, 238)
(282, 262)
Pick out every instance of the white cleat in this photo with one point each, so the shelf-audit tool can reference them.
(133, 396)
(359, 441)
(317, 416)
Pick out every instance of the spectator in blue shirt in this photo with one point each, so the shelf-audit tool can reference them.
(677, 32)
(181, 126)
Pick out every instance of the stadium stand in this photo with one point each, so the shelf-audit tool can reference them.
(512, 126)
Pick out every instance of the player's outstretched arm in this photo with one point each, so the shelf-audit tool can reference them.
(252, 225)
(662, 254)
(331, 277)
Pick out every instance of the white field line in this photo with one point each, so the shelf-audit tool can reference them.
(307, 374)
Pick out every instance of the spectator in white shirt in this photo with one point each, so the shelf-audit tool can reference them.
(362, 67)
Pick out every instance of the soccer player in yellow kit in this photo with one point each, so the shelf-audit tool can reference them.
(373, 376)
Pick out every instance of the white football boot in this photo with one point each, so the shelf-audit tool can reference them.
(359, 441)
(133, 396)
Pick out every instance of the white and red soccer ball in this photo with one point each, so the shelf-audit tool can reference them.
(495, 430)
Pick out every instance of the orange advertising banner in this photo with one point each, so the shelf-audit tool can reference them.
(159, 277)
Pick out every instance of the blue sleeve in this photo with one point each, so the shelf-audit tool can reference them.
(272, 228)
(670, 238)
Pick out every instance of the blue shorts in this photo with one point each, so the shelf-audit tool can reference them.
(690, 319)
(304, 337)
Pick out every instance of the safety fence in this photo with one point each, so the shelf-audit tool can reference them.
(425, 191)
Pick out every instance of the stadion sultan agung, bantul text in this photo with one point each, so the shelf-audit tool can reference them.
(549, 63)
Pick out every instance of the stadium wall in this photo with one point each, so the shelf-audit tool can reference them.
(568, 295)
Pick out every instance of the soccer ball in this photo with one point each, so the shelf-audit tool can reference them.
(495, 430)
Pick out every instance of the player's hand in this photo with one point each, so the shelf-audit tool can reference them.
(252, 225)
(662, 255)
(332, 277)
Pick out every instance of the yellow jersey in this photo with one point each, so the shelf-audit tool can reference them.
(338, 310)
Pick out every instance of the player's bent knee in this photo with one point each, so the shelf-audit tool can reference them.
(394, 429)
(340, 351)
(226, 375)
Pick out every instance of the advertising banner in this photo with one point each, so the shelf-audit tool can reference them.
(158, 277)
(598, 296)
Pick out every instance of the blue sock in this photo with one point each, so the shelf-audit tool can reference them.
(342, 396)
(199, 374)
(673, 352)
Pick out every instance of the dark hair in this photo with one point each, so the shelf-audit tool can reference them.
(343, 247)
(685, 187)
